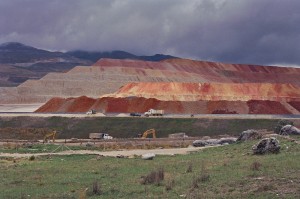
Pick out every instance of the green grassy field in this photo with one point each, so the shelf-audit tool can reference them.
(223, 172)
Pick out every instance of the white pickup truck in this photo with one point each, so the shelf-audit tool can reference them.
(91, 112)
(104, 136)
(153, 112)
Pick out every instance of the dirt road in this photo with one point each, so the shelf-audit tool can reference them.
(126, 153)
(211, 116)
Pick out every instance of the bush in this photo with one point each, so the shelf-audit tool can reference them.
(96, 190)
(255, 166)
(190, 168)
(31, 158)
(154, 177)
(202, 177)
(170, 184)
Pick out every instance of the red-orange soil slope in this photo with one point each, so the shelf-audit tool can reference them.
(192, 98)
(139, 104)
(210, 91)
(108, 75)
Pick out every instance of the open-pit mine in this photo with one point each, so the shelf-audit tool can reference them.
(178, 86)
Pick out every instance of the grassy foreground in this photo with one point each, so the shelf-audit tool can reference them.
(222, 172)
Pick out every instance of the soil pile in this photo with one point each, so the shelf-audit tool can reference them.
(141, 105)
(176, 91)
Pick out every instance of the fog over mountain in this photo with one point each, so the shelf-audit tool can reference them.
(245, 31)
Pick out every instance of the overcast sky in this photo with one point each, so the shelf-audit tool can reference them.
(236, 31)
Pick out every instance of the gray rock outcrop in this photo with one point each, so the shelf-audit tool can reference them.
(266, 145)
(289, 130)
(214, 142)
(249, 135)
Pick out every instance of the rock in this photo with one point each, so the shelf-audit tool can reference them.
(214, 142)
(28, 144)
(121, 156)
(199, 143)
(249, 135)
(89, 144)
(289, 130)
(266, 145)
(229, 140)
(148, 156)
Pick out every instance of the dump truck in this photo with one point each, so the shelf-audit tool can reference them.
(104, 136)
(91, 112)
(153, 112)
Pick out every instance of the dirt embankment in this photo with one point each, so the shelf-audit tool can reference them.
(140, 104)
(187, 98)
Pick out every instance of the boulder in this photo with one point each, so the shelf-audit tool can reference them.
(249, 135)
(214, 142)
(199, 143)
(266, 145)
(148, 156)
(89, 144)
(229, 140)
(209, 142)
(28, 144)
(289, 130)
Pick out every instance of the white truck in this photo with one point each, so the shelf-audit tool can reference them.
(104, 136)
(91, 112)
(153, 112)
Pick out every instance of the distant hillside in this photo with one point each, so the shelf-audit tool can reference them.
(95, 56)
(14, 53)
(32, 63)
(19, 62)
(13, 75)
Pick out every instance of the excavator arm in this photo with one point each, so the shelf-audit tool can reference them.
(149, 132)
(48, 135)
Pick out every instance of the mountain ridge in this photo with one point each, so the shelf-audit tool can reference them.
(40, 62)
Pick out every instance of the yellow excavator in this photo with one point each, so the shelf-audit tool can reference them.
(48, 135)
(149, 132)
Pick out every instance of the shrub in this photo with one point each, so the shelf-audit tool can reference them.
(202, 177)
(154, 177)
(96, 189)
(170, 184)
(31, 158)
(255, 166)
(190, 168)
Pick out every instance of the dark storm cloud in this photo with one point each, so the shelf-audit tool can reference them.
(238, 31)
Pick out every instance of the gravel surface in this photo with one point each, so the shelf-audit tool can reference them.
(126, 153)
